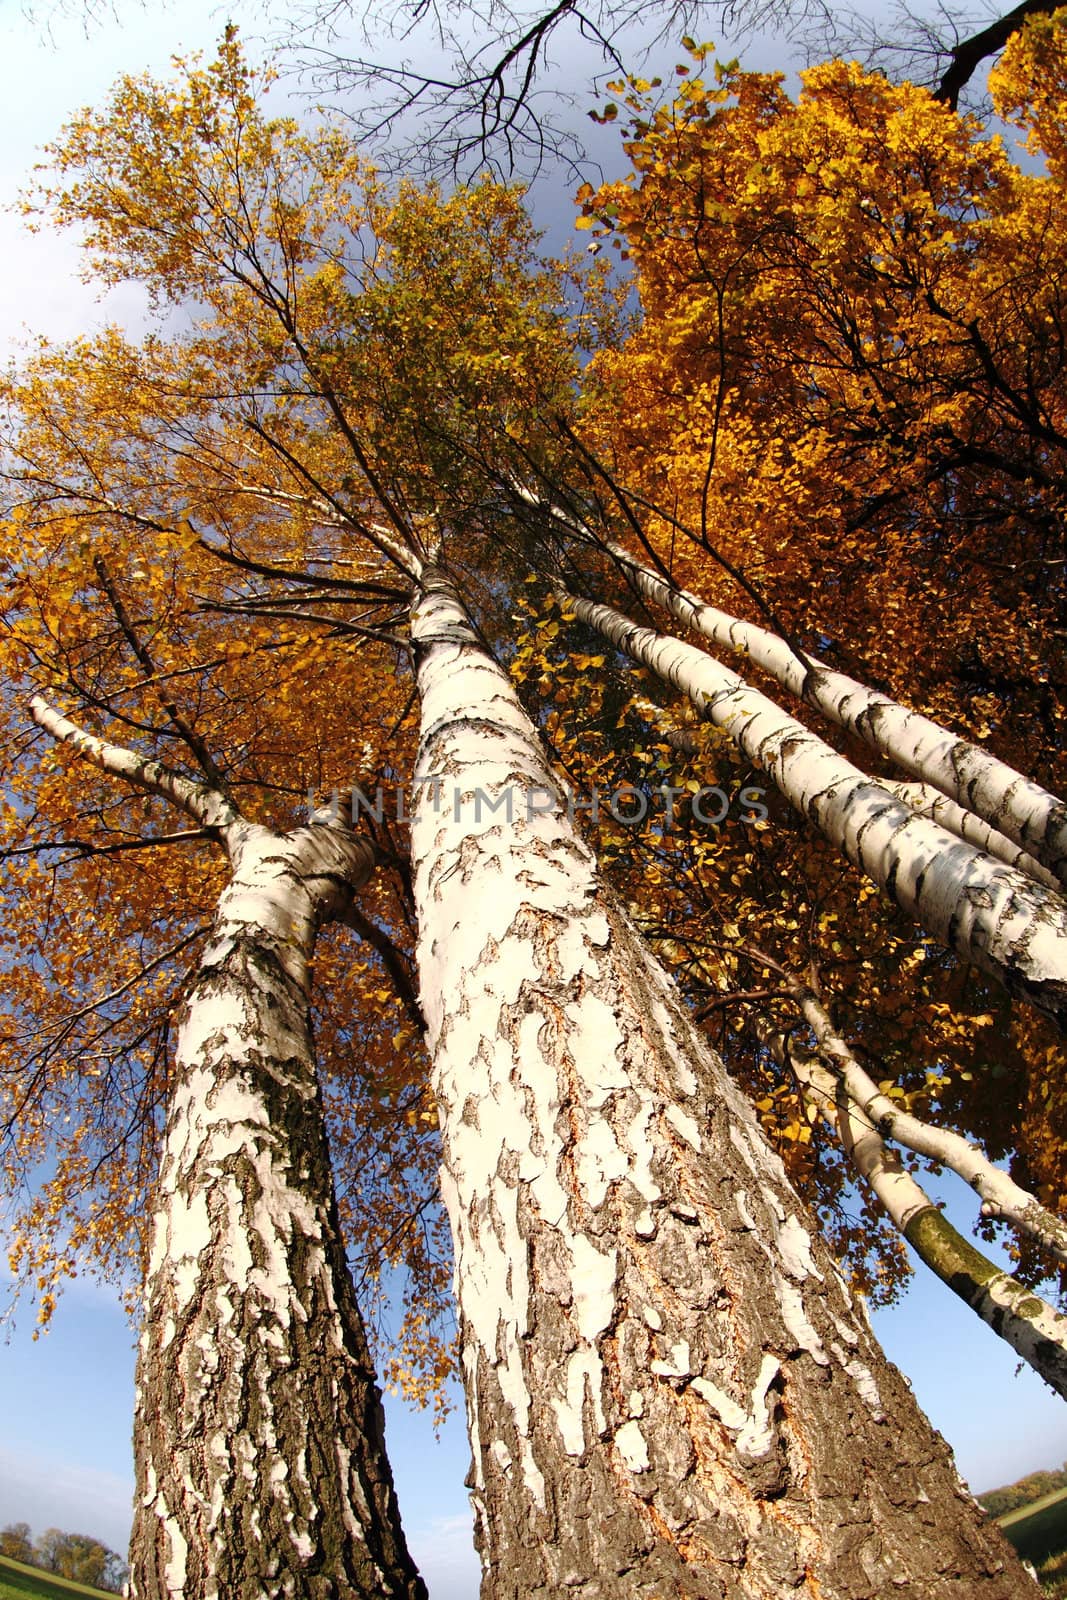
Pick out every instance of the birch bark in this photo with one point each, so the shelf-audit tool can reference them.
(258, 1434)
(1009, 802)
(929, 802)
(670, 1389)
(260, 1458)
(1001, 1196)
(988, 912)
(1035, 1330)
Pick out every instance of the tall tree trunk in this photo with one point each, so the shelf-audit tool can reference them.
(260, 1456)
(1010, 803)
(670, 1390)
(987, 911)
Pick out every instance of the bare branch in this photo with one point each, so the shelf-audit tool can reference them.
(968, 56)
(82, 849)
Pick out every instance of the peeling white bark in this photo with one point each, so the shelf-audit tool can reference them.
(259, 1448)
(204, 804)
(258, 1434)
(667, 1393)
(1010, 803)
(988, 912)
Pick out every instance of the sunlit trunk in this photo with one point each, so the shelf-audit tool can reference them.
(835, 1083)
(670, 1389)
(1010, 803)
(988, 912)
(261, 1467)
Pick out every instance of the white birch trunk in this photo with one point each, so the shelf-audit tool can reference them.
(1011, 804)
(1000, 1195)
(930, 802)
(258, 1436)
(670, 1390)
(988, 912)
(261, 1466)
(1035, 1330)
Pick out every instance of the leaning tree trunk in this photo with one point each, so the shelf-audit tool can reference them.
(834, 1083)
(261, 1466)
(985, 910)
(1011, 804)
(671, 1392)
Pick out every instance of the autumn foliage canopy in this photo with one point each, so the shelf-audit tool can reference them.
(836, 401)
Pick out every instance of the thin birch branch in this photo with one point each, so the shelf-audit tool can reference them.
(82, 849)
(204, 804)
(1001, 1197)
(1035, 1330)
(186, 732)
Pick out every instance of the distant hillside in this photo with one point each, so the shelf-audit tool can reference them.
(998, 1502)
(19, 1582)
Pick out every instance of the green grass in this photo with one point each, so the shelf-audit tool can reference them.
(18, 1582)
(1023, 1513)
(1039, 1533)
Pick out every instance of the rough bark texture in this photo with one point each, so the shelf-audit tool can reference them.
(261, 1467)
(985, 910)
(671, 1392)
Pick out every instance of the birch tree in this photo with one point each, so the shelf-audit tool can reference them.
(259, 1451)
(668, 1381)
(260, 1454)
(158, 1048)
(652, 1336)
(993, 915)
(817, 423)
(862, 1115)
(989, 804)
(700, 255)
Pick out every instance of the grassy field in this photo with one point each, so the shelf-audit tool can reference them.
(1039, 1533)
(30, 1583)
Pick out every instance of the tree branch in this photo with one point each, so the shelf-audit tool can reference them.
(968, 56)
(81, 849)
(184, 729)
(206, 805)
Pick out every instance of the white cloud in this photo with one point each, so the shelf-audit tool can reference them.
(48, 75)
(44, 294)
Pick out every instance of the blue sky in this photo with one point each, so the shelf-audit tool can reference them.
(66, 1399)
